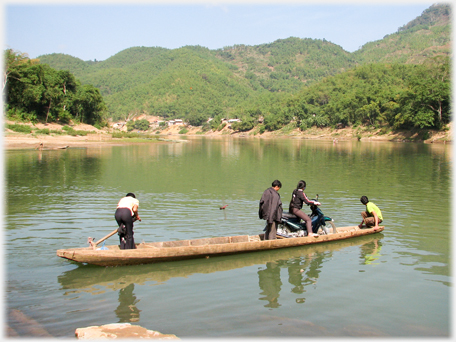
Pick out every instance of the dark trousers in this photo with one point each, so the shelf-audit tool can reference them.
(303, 216)
(123, 216)
(271, 230)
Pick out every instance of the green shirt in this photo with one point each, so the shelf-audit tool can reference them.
(370, 207)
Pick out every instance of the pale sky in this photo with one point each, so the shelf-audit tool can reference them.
(101, 30)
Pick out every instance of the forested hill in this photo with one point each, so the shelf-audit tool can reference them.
(426, 36)
(198, 83)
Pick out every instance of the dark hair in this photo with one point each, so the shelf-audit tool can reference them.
(130, 194)
(301, 184)
(364, 200)
(276, 183)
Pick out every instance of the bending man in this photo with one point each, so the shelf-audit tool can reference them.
(126, 214)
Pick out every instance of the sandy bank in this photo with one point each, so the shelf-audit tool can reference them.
(103, 138)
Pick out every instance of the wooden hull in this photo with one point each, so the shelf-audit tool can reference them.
(153, 252)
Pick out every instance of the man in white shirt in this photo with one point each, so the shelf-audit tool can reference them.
(126, 214)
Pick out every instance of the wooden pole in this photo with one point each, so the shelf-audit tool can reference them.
(94, 244)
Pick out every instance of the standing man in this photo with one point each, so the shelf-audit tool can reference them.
(126, 214)
(271, 209)
(372, 216)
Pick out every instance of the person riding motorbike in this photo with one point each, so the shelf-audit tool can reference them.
(298, 198)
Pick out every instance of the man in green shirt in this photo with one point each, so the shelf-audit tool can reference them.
(372, 216)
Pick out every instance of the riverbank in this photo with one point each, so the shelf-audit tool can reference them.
(103, 137)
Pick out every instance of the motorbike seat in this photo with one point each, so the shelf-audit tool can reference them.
(288, 216)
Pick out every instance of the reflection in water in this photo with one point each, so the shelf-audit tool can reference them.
(304, 271)
(127, 310)
(270, 282)
(370, 252)
(295, 274)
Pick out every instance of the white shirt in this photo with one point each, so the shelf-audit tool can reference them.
(128, 202)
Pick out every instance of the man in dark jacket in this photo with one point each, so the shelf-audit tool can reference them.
(271, 209)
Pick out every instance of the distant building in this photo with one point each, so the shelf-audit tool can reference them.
(176, 122)
(118, 125)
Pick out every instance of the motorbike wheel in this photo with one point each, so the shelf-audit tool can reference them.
(333, 226)
(281, 230)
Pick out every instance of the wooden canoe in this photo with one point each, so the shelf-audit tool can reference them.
(152, 252)
(86, 278)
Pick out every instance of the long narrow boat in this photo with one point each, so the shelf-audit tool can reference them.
(152, 252)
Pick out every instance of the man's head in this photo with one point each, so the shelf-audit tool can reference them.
(364, 200)
(130, 194)
(276, 185)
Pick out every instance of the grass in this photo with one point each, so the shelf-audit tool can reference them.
(19, 128)
(133, 135)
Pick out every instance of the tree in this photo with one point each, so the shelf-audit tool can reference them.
(196, 118)
(141, 125)
(88, 105)
(35, 91)
(246, 124)
(432, 88)
(14, 61)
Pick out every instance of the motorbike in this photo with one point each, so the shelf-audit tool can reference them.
(291, 225)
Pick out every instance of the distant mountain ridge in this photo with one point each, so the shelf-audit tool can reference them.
(194, 80)
(426, 36)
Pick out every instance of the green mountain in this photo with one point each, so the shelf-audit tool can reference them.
(287, 64)
(196, 82)
(427, 36)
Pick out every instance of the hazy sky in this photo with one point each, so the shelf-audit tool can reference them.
(99, 31)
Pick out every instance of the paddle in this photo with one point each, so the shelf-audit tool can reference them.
(94, 244)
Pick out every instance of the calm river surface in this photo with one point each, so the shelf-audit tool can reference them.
(392, 284)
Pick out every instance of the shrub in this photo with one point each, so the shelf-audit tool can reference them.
(121, 135)
(245, 125)
(142, 125)
(64, 116)
(19, 128)
(71, 131)
(303, 126)
(19, 115)
(384, 130)
(206, 127)
(42, 131)
(74, 133)
(424, 135)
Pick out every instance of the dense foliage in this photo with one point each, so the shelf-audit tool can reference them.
(139, 125)
(396, 81)
(35, 91)
(395, 95)
(287, 64)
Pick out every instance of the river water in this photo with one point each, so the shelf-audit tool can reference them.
(391, 284)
